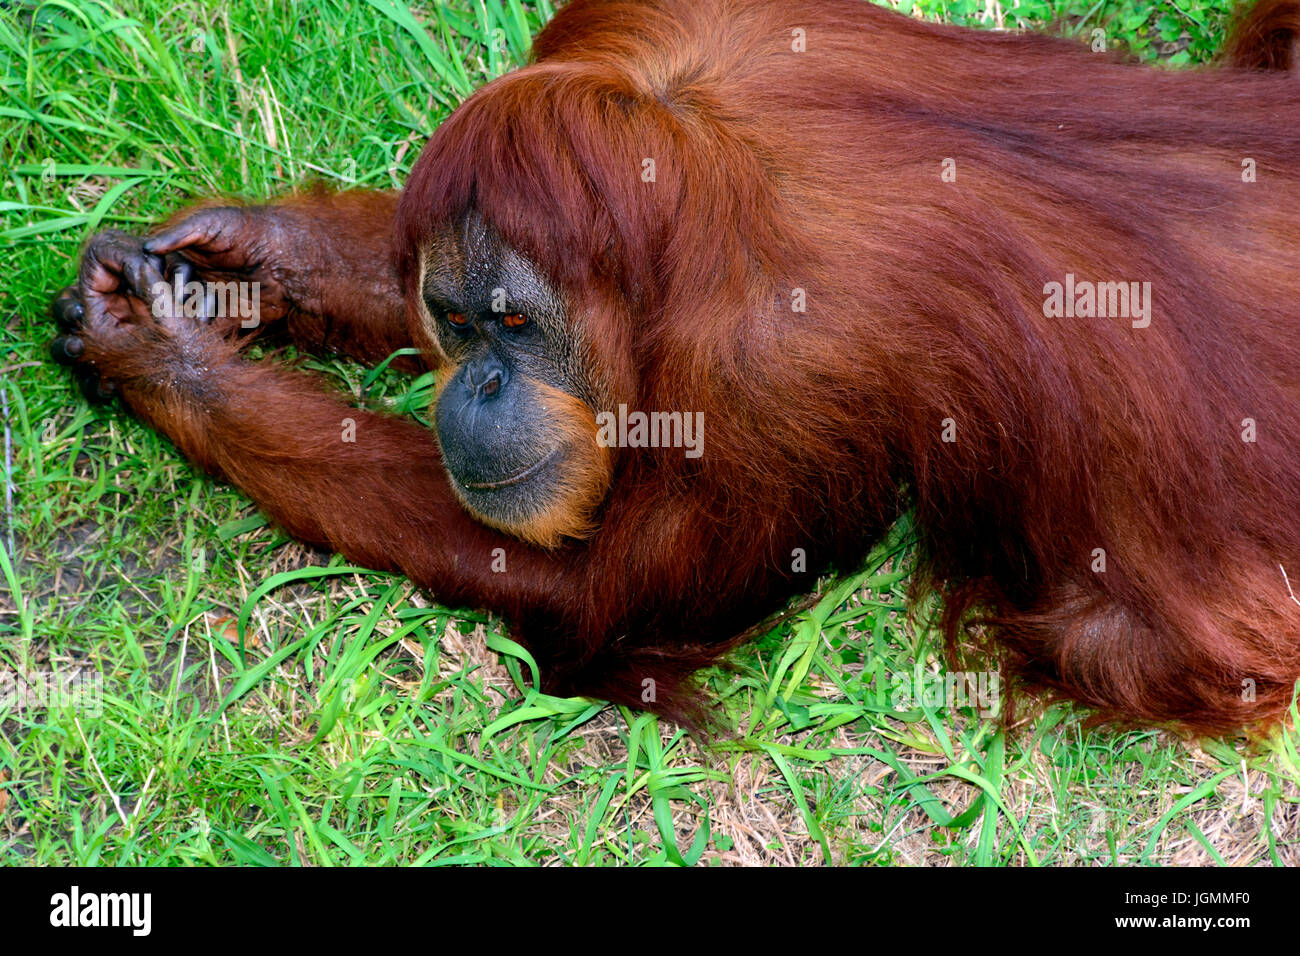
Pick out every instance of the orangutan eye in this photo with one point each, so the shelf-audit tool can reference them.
(458, 318)
(514, 320)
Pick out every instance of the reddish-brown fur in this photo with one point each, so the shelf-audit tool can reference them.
(821, 171)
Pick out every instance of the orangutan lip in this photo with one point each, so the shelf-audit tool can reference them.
(513, 479)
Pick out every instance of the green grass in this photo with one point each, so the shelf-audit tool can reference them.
(358, 722)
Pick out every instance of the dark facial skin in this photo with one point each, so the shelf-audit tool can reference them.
(506, 402)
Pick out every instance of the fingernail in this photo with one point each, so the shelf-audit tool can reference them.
(66, 349)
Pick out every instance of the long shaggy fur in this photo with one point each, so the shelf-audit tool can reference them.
(777, 171)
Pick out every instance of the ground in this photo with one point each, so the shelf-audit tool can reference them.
(262, 702)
